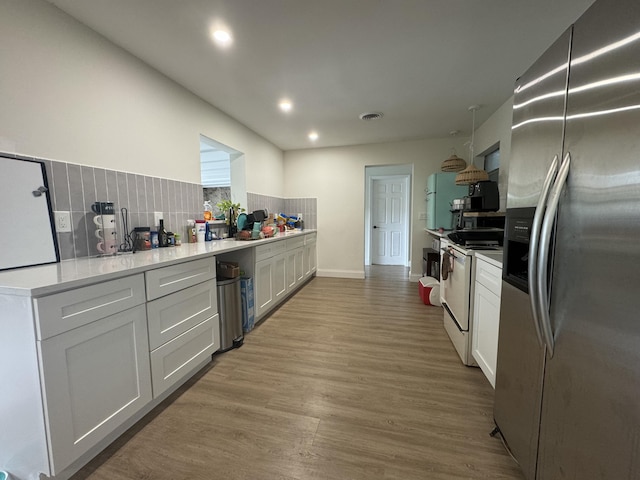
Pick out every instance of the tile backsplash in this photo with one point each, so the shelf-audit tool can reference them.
(308, 207)
(75, 188)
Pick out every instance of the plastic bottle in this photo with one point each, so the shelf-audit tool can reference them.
(208, 211)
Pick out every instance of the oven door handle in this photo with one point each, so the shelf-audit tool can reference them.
(543, 260)
(534, 244)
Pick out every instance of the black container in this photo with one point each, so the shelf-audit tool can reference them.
(483, 197)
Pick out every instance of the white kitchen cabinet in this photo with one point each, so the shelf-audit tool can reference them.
(174, 314)
(486, 317)
(310, 255)
(280, 287)
(282, 267)
(93, 357)
(264, 296)
(173, 360)
(95, 377)
(299, 266)
(87, 348)
(165, 280)
(295, 264)
(290, 269)
(271, 282)
(184, 327)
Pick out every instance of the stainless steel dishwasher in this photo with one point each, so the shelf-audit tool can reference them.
(230, 311)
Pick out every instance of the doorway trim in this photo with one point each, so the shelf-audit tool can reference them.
(387, 172)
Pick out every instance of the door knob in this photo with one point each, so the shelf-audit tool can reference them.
(375, 226)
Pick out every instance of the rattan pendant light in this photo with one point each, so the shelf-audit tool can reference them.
(472, 174)
(454, 163)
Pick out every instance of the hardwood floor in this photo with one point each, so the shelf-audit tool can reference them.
(350, 379)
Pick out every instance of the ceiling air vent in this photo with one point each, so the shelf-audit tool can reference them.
(371, 116)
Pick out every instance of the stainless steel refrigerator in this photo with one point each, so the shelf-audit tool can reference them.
(567, 399)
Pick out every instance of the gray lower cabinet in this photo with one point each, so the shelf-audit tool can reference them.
(270, 284)
(310, 255)
(182, 315)
(281, 268)
(95, 377)
(184, 330)
(92, 344)
(84, 364)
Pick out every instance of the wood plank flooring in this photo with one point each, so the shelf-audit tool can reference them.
(350, 379)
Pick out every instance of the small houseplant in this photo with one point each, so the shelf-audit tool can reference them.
(226, 205)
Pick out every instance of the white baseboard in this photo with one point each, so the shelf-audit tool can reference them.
(340, 273)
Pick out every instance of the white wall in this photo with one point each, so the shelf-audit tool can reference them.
(336, 176)
(69, 94)
(496, 129)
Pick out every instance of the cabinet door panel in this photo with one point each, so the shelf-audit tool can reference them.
(95, 378)
(264, 296)
(279, 277)
(290, 271)
(299, 265)
(486, 321)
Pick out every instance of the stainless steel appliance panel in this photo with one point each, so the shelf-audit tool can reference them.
(537, 134)
(538, 126)
(519, 373)
(591, 416)
(457, 287)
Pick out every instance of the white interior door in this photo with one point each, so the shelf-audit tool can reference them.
(389, 221)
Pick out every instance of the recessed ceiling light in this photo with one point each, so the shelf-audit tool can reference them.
(222, 38)
(285, 105)
(313, 136)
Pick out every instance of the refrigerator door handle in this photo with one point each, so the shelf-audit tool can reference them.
(534, 244)
(543, 259)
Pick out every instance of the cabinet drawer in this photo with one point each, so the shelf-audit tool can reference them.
(269, 250)
(311, 238)
(489, 276)
(173, 360)
(176, 313)
(164, 281)
(295, 242)
(64, 311)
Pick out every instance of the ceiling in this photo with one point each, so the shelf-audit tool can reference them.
(420, 62)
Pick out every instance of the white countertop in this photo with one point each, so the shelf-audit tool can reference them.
(55, 277)
(437, 233)
(493, 257)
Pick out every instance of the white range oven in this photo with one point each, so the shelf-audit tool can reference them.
(456, 292)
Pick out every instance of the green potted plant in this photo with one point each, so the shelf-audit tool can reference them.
(226, 205)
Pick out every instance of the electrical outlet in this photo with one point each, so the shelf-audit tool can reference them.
(157, 216)
(422, 216)
(63, 221)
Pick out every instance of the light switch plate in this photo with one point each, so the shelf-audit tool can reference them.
(157, 216)
(63, 221)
